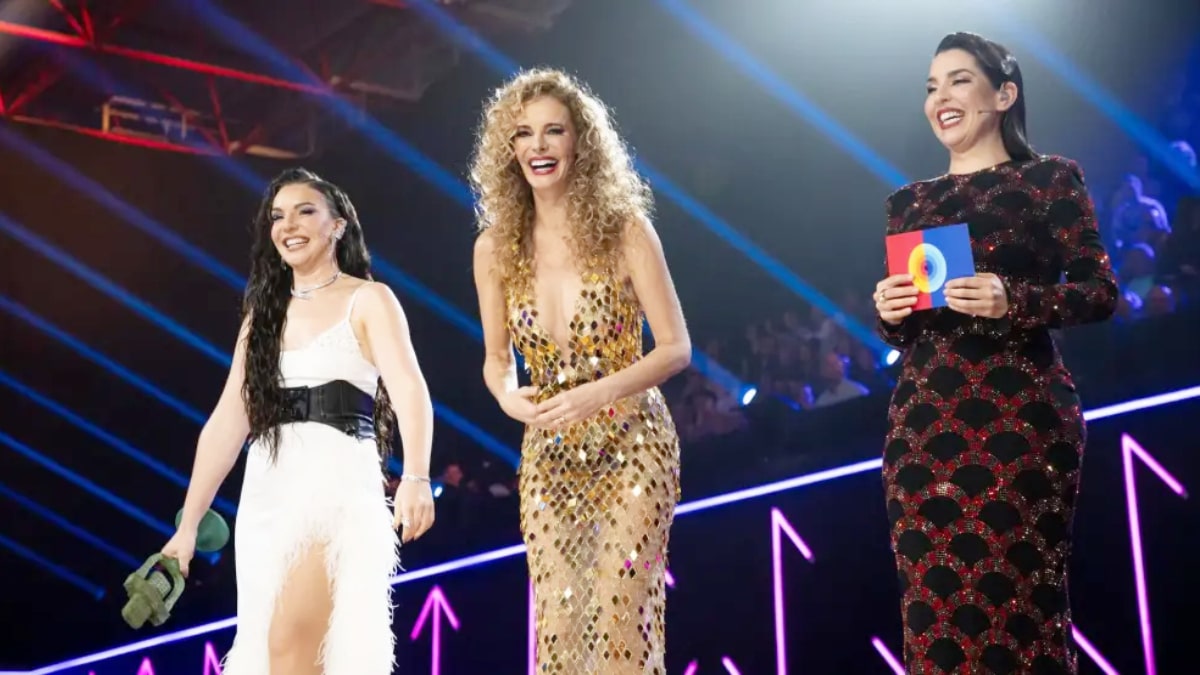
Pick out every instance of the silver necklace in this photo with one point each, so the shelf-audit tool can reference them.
(306, 293)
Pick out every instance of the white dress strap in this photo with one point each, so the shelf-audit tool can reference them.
(353, 298)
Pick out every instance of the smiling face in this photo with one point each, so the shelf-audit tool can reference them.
(544, 144)
(304, 228)
(961, 104)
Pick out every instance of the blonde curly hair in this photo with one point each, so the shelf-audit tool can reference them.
(604, 192)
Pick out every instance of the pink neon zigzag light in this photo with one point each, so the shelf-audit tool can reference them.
(781, 526)
(212, 663)
(436, 606)
(1132, 449)
(730, 667)
(1129, 450)
(436, 603)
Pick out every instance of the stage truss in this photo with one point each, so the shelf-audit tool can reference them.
(253, 77)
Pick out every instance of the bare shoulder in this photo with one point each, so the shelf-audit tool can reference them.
(484, 259)
(639, 235)
(485, 244)
(374, 299)
(374, 291)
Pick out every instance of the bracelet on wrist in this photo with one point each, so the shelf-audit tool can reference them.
(414, 478)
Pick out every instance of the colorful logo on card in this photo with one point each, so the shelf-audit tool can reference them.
(932, 257)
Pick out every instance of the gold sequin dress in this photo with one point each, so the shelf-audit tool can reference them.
(598, 497)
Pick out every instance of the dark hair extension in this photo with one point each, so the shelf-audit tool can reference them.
(1000, 66)
(266, 301)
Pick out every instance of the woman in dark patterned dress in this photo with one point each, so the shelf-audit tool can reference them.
(981, 464)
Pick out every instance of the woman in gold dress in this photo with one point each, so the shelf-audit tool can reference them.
(567, 264)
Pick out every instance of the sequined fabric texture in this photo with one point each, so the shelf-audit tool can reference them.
(982, 460)
(598, 497)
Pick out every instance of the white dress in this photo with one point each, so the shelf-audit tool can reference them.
(325, 488)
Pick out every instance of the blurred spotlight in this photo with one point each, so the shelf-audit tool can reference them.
(748, 395)
(437, 490)
(891, 357)
(772, 416)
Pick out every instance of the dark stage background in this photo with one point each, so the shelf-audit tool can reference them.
(723, 563)
(121, 266)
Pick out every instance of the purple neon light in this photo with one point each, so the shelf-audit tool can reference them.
(888, 656)
(1128, 445)
(730, 667)
(1093, 653)
(212, 662)
(1145, 403)
(1129, 449)
(1114, 410)
(780, 525)
(141, 645)
(436, 605)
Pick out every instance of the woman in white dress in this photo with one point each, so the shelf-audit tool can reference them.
(315, 543)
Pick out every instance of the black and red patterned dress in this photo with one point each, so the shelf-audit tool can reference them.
(981, 465)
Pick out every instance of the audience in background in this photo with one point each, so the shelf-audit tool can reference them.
(805, 362)
(1150, 223)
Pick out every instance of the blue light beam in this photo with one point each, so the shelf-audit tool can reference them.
(784, 92)
(188, 337)
(142, 384)
(107, 438)
(716, 501)
(106, 286)
(478, 435)
(1142, 132)
(57, 570)
(120, 208)
(90, 487)
(406, 283)
(501, 63)
(240, 36)
(64, 524)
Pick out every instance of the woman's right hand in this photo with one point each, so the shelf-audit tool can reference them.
(181, 547)
(518, 404)
(894, 298)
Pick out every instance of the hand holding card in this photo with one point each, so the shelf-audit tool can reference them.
(931, 257)
(981, 295)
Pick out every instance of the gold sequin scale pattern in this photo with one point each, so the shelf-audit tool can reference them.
(597, 497)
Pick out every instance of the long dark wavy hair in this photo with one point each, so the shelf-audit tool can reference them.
(999, 66)
(266, 301)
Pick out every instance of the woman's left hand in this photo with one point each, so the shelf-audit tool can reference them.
(570, 406)
(414, 509)
(981, 295)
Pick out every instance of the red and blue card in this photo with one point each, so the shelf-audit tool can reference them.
(932, 257)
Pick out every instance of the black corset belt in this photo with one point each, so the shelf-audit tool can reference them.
(338, 404)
